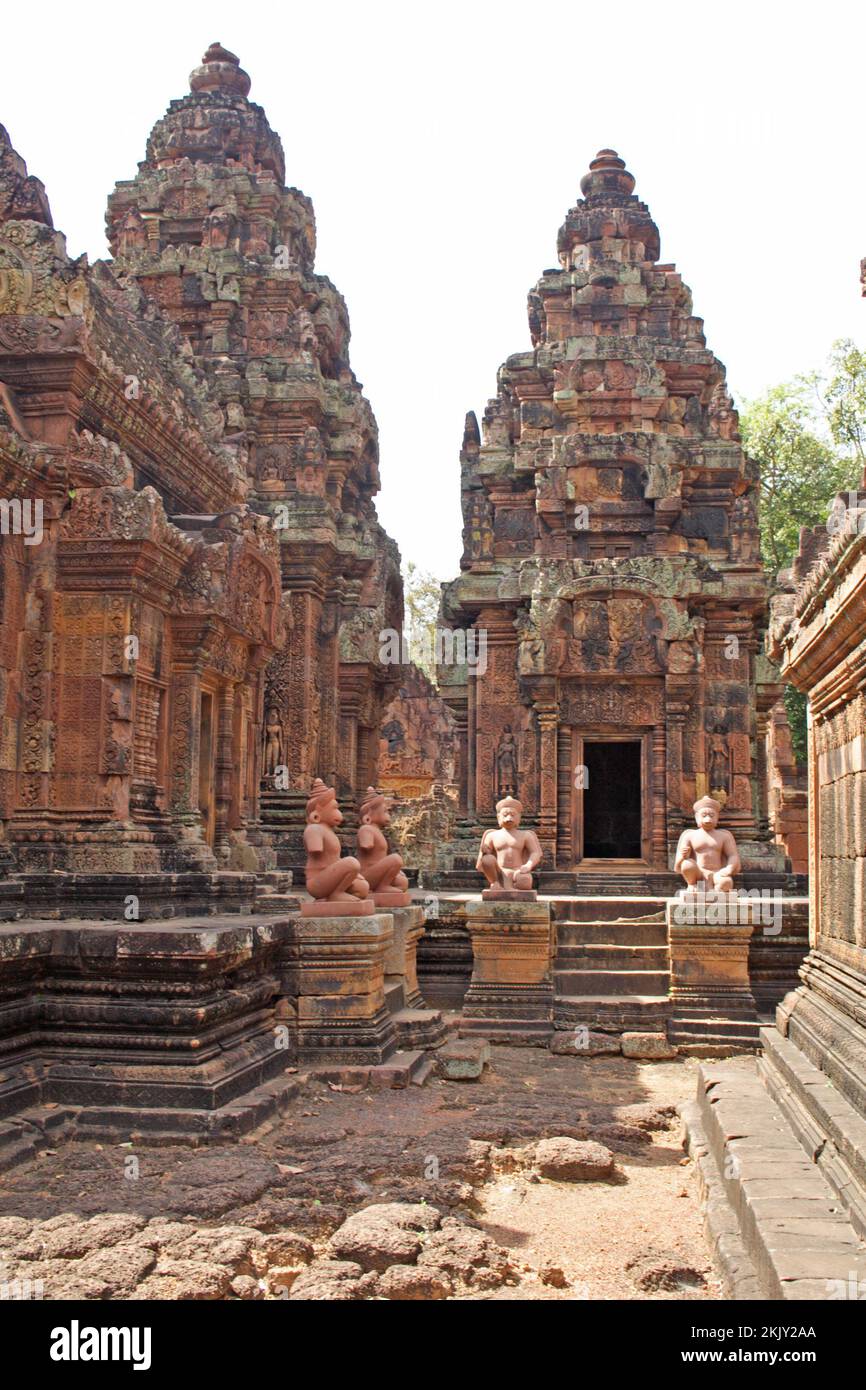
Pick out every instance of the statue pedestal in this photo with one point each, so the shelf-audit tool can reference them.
(401, 956)
(713, 1008)
(510, 996)
(342, 1011)
(323, 907)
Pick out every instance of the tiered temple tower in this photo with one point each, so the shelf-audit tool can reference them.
(139, 594)
(208, 228)
(611, 554)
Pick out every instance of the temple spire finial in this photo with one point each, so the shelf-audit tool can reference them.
(607, 174)
(220, 71)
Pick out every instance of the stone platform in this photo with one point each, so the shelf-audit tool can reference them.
(611, 965)
(108, 897)
(160, 1028)
(778, 1227)
(192, 1028)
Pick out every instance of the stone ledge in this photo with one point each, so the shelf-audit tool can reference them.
(789, 1223)
(731, 1259)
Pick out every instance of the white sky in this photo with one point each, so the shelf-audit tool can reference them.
(442, 146)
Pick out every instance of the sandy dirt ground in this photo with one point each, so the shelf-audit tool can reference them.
(474, 1218)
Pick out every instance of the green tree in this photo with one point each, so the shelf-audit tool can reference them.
(808, 437)
(801, 467)
(421, 593)
(843, 399)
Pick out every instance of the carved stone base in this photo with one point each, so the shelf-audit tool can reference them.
(509, 895)
(712, 1005)
(390, 898)
(143, 1028)
(314, 907)
(342, 1010)
(510, 996)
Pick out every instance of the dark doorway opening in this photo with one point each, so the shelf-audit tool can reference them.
(612, 801)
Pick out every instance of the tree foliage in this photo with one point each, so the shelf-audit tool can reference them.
(808, 437)
(421, 594)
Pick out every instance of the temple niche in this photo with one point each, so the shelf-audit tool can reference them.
(209, 230)
(416, 740)
(611, 557)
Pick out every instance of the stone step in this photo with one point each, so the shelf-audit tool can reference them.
(171, 1125)
(608, 909)
(403, 1068)
(648, 983)
(611, 955)
(821, 1117)
(582, 935)
(275, 879)
(418, 1027)
(610, 1012)
(277, 904)
(395, 996)
(765, 1200)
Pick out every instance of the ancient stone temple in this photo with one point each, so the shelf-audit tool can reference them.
(611, 558)
(209, 230)
(193, 591)
(140, 593)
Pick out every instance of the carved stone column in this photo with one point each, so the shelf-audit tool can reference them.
(548, 723)
(227, 766)
(658, 798)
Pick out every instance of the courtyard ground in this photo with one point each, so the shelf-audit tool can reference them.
(426, 1193)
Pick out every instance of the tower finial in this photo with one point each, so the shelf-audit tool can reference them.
(220, 71)
(607, 174)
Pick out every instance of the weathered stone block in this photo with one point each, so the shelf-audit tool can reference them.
(462, 1059)
(647, 1046)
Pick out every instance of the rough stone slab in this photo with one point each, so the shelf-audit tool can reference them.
(573, 1160)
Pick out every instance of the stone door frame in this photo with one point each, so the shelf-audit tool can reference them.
(605, 734)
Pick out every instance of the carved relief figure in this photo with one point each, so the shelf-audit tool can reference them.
(719, 764)
(394, 736)
(312, 464)
(274, 743)
(506, 764)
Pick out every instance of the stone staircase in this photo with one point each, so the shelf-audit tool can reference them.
(611, 965)
(416, 1026)
(273, 895)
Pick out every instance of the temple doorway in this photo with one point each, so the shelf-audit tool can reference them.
(610, 811)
